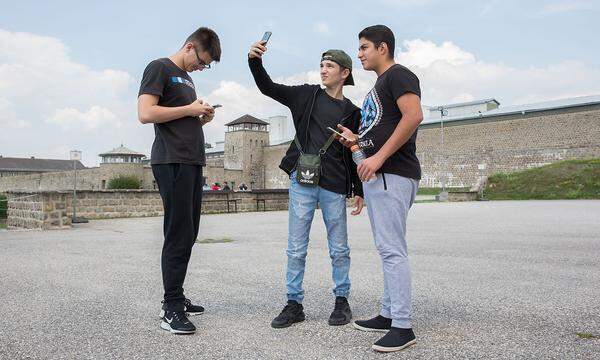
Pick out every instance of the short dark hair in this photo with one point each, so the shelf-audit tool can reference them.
(378, 34)
(208, 40)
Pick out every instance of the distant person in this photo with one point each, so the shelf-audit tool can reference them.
(216, 187)
(205, 187)
(226, 186)
(243, 187)
(167, 99)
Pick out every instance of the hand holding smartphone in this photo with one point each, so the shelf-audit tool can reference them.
(338, 134)
(260, 47)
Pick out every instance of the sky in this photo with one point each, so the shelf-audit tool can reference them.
(70, 70)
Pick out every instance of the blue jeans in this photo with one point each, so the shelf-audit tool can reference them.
(302, 204)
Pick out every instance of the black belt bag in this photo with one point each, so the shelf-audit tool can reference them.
(308, 167)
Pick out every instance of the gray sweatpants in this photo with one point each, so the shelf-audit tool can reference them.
(388, 199)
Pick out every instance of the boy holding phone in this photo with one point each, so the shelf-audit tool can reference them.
(167, 99)
(314, 110)
(388, 132)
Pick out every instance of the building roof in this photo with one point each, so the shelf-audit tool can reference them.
(523, 109)
(247, 119)
(218, 148)
(468, 103)
(121, 150)
(37, 165)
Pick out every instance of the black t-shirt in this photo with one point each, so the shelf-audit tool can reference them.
(327, 112)
(381, 115)
(180, 140)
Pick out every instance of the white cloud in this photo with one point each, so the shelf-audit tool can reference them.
(9, 117)
(45, 93)
(95, 117)
(567, 6)
(447, 73)
(406, 3)
(50, 103)
(450, 74)
(321, 28)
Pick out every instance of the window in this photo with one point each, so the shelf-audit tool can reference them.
(103, 184)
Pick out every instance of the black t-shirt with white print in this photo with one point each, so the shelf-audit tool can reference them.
(181, 140)
(381, 115)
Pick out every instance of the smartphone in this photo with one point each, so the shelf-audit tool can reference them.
(217, 106)
(338, 133)
(266, 37)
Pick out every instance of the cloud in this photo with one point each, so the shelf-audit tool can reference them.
(447, 74)
(451, 74)
(50, 103)
(95, 117)
(568, 6)
(406, 3)
(45, 93)
(321, 28)
(9, 117)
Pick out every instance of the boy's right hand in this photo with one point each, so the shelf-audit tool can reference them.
(348, 134)
(199, 108)
(257, 50)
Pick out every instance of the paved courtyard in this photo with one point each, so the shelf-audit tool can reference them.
(490, 280)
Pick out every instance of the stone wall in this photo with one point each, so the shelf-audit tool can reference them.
(107, 204)
(87, 179)
(37, 211)
(275, 178)
(54, 209)
(214, 171)
(507, 144)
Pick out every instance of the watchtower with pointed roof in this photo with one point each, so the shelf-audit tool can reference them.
(245, 139)
(121, 155)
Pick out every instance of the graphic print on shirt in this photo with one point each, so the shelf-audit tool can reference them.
(180, 80)
(371, 113)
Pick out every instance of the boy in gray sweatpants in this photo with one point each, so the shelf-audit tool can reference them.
(391, 114)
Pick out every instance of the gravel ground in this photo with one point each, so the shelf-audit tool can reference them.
(490, 280)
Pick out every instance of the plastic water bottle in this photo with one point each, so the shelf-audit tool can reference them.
(358, 155)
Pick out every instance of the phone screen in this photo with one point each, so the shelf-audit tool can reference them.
(266, 36)
(338, 133)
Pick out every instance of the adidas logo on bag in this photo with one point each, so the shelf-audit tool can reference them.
(307, 175)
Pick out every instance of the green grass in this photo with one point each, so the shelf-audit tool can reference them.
(2, 224)
(213, 241)
(3, 206)
(435, 191)
(572, 179)
(585, 335)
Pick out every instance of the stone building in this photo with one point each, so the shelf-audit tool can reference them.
(480, 138)
(121, 155)
(240, 159)
(119, 161)
(10, 166)
(507, 139)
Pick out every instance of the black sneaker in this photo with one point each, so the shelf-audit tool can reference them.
(378, 323)
(177, 323)
(291, 313)
(395, 340)
(341, 314)
(190, 309)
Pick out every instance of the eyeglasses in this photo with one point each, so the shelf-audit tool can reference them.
(201, 62)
